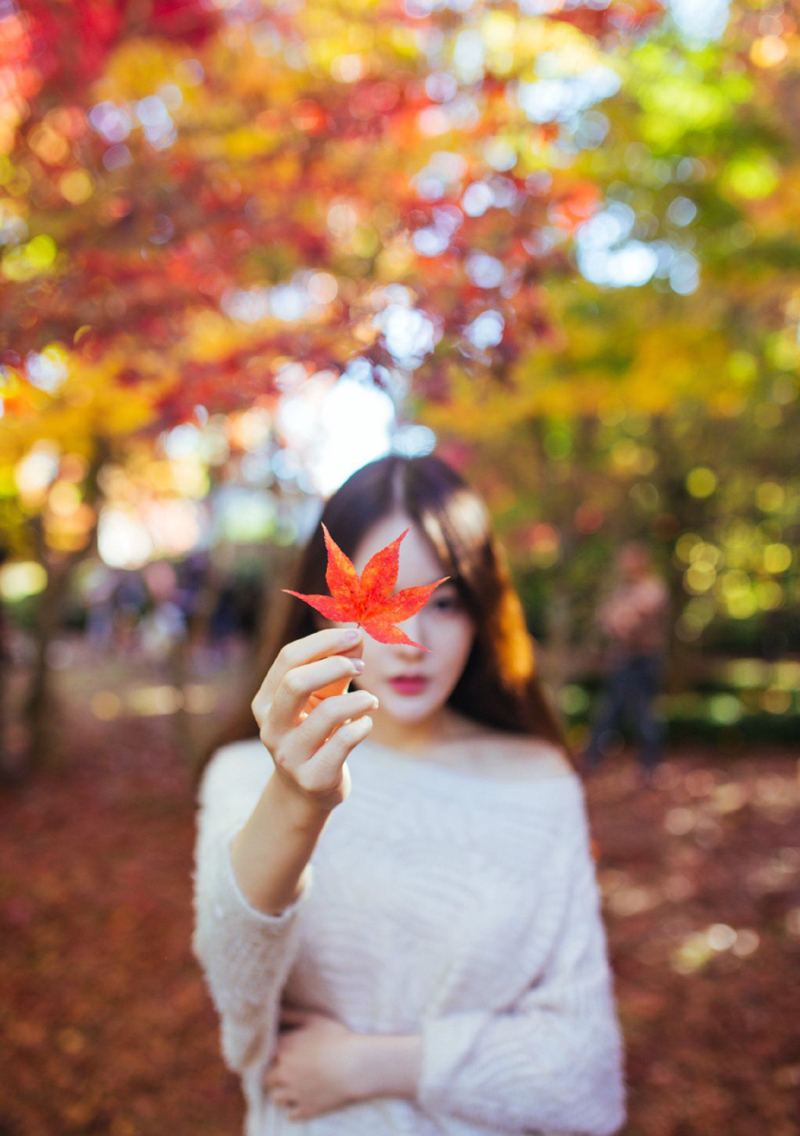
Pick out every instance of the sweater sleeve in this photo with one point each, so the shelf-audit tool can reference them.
(245, 953)
(554, 1061)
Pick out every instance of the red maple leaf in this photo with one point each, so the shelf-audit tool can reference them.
(369, 600)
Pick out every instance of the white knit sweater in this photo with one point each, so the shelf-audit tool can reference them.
(440, 902)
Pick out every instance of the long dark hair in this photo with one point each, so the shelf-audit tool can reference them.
(499, 686)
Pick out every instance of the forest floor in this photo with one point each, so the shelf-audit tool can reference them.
(107, 1029)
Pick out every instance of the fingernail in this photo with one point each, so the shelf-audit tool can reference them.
(352, 635)
(359, 664)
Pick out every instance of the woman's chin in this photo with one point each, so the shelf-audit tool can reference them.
(406, 708)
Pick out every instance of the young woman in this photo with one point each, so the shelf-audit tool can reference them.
(396, 903)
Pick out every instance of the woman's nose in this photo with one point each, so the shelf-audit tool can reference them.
(414, 628)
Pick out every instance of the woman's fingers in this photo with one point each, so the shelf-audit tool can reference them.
(312, 674)
(299, 683)
(330, 641)
(329, 716)
(275, 1083)
(322, 770)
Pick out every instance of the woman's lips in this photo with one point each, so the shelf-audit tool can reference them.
(408, 685)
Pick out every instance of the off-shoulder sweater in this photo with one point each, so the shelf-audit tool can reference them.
(441, 902)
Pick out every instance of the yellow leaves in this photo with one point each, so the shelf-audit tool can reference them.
(726, 404)
(777, 558)
(753, 176)
(769, 51)
(210, 337)
(573, 51)
(498, 30)
(742, 367)
(87, 402)
(26, 261)
(481, 407)
(676, 102)
(396, 259)
(138, 68)
(564, 395)
(535, 34)
(672, 361)
(284, 169)
(405, 42)
(48, 144)
(248, 142)
(360, 37)
(642, 365)
(337, 44)
(246, 76)
(8, 485)
(22, 579)
(701, 481)
(75, 186)
(770, 496)
(16, 180)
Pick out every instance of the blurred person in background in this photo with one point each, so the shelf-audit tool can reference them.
(98, 597)
(164, 625)
(129, 602)
(224, 624)
(634, 621)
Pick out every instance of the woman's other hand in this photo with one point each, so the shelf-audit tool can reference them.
(316, 1065)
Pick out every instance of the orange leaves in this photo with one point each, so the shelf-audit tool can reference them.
(369, 600)
(576, 204)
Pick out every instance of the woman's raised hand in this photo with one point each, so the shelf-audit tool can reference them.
(308, 720)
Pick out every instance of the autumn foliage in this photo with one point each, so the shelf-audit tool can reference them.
(166, 169)
(369, 599)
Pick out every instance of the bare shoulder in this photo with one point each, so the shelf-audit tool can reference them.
(519, 757)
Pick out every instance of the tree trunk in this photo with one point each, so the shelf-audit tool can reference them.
(563, 495)
(682, 658)
(40, 713)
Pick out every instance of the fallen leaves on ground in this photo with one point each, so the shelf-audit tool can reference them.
(106, 1026)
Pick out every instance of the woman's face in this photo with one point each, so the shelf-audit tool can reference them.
(442, 625)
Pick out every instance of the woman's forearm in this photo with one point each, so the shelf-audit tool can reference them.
(387, 1065)
(271, 852)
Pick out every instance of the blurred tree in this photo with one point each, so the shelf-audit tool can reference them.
(665, 404)
(198, 211)
(562, 228)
